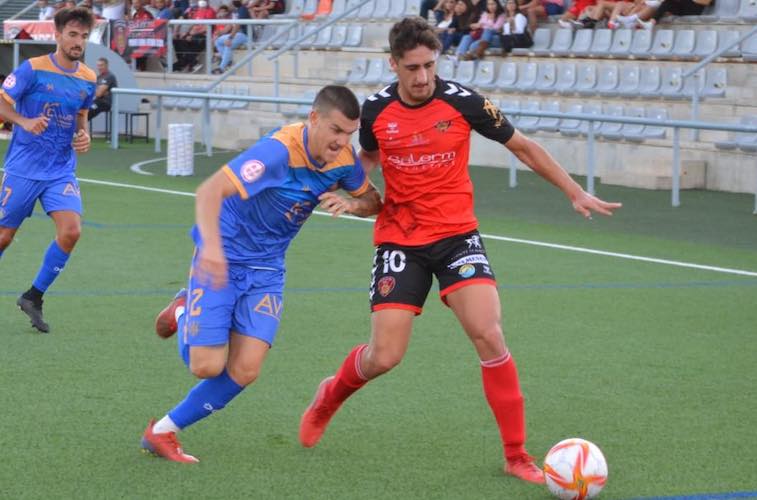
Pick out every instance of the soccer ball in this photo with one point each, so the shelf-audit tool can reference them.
(575, 469)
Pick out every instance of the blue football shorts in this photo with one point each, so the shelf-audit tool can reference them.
(19, 194)
(251, 303)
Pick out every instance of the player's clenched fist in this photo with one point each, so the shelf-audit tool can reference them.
(334, 204)
(35, 125)
(81, 141)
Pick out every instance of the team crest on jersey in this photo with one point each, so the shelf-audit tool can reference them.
(10, 82)
(386, 285)
(251, 170)
(50, 87)
(443, 125)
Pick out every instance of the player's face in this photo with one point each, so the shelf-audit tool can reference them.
(416, 71)
(329, 133)
(72, 40)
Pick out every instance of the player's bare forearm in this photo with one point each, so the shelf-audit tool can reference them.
(367, 204)
(34, 125)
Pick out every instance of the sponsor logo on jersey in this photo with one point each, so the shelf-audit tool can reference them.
(386, 285)
(467, 270)
(470, 259)
(251, 170)
(71, 190)
(10, 82)
(473, 242)
(392, 128)
(414, 162)
(270, 305)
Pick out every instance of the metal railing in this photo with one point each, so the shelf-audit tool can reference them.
(676, 125)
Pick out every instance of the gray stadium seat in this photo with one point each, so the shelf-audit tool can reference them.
(337, 8)
(566, 78)
(484, 78)
(445, 68)
(672, 83)
(308, 29)
(550, 124)
(586, 79)
(527, 73)
(546, 77)
(607, 81)
(466, 70)
(654, 131)
(735, 139)
(366, 11)
(683, 47)
(241, 90)
(707, 43)
(354, 35)
(323, 39)
(726, 38)
(748, 11)
(612, 130)
(582, 43)
(412, 8)
(715, 82)
(641, 43)
(357, 70)
(600, 46)
(727, 9)
(508, 75)
(631, 131)
(381, 11)
(542, 37)
(396, 9)
(505, 106)
(529, 124)
(374, 72)
(749, 49)
(310, 7)
(561, 42)
(338, 36)
(294, 10)
(630, 78)
(621, 43)
(568, 125)
(688, 86)
(650, 81)
(350, 4)
(662, 46)
(583, 126)
(387, 74)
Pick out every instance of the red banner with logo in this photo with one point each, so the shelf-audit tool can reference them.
(135, 39)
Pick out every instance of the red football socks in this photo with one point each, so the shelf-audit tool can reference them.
(348, 378)
(502, 390)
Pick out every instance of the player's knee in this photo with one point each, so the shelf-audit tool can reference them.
(206, 368)
(243, 374)
(6, 237)
(488, 335)
(69, 235)
(383, 362)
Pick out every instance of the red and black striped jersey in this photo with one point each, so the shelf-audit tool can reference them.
(424, 152)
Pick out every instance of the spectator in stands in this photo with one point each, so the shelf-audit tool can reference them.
(437, 6)
(115, 9)
(577, 11)
(189, 44)
(161, 10)
(69, 4)
(625, 14)
(46, 11)
(595, 13)
(541, 9)
(515, 34)
(230, 40)
(262, 9)
(459, 27)
(139, 12)
(488, 26)
(105, 82)
(448, 13)
(649, 16)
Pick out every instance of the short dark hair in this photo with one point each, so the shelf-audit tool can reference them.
(410, 33)
(77, 14)
(337, 97)
(103, 60)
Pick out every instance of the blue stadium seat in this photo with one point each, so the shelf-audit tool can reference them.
(631, 131)
(466, 70)
(375, 71)
(748, 11)
(568, 126)
(662, 46)
(628, 84)
(412, 8)
(529, 124)
(562, 42)
(683, 47)
(381, 11)
(338, 36)
(582, 43)
(366, 11)
(396, 9)
(323, 39)
(508, 75)
(387, 74)
(507, 105)
(586, 80)
(707, 43)
(337, 8)
(650, 81)
(484, 78)
(621, 43)
(672, 82)
(527, 73)
(737, 139)
(583, 126)
(550, 124)
(354, 35)
(612, 130)
(566, 78)
(641, 43)
(542, 38)
(654, 131)
(607, 81)
(600, 46)
(749, 49)
(726, 38)
(445, 68)
(357, 70)
(546, 77)
(715, 82)
(727, 10)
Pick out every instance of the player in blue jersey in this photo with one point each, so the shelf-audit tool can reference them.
(247, 214)
(51, 95)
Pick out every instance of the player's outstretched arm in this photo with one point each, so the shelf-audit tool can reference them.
(32, 125)
(211, 262)
(540, 161)
(365, 205)
(82, 140)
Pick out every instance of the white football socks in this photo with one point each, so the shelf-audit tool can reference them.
(164, 425)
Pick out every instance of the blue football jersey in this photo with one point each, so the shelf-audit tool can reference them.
(40, 86)
(279, 184)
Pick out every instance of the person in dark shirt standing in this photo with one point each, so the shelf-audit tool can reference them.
(105, 82)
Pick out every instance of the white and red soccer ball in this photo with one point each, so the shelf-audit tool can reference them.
(575, 469)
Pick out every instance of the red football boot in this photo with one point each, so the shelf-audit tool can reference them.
(165, 445)
(165, 323)
(316, 417)
(524, 468)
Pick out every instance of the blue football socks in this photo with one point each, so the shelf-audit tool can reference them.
(209, 396)
(52, 264)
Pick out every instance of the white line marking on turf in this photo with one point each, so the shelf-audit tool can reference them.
(556, 246)
(137, 167)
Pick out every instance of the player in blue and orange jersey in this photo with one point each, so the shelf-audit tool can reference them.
(51, 95)
(247, 214)
(419, 129)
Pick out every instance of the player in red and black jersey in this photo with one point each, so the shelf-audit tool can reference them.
(419, 130)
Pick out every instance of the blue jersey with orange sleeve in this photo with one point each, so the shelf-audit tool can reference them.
(40, 86)
(278, 184)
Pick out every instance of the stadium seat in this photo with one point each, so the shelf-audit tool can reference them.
(375, 71)
(607, 80)
(542, 37)
(508, 75)
(586, 80)
(527, 74)
(484, 78)
(631, 131)
(628, 84)
(354, 13)
(241, 90)
(654, 131)
(582, 43)
(412, 8)
(506, 106)
(337, 8)
(683, 47)
(748, 11)
(381, 11)
(649, 81)
(662, 46)
(688, 86)
(466, 70)
(309, 9)
(323, 38)
(641, 43)
(612, 130)
(529, 124)
(357, 70)
(621, 43)
(354, 35)
(726, 38)
(736, 139)
(293, 11)
(396, 9)
(749, 49)
(309, 30)
(583, 126)
(550, 124)
(338, 36)
(568, 126)
(672, 83)
(561, 43)
(727, 10)
(600, 46)
(445, 68)
(715, 82)
(566, 78)
(387, 74)
(366, 11)
(546, 77)
(707, 43)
